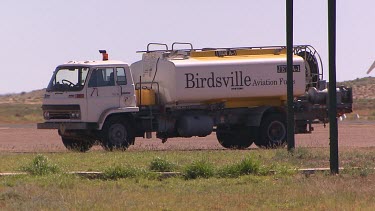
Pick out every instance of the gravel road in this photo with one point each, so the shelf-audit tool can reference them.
(26, 138)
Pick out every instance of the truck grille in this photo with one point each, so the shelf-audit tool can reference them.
(61, 111)
(59, 115)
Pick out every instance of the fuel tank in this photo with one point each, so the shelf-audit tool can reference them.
(184, 77)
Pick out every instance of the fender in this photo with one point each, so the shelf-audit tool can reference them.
(111, 111)
(257, 113)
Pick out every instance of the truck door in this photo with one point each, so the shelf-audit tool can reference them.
(102, 92)
(123, 79)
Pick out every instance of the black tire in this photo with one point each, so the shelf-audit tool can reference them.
(301, 127)
(117, 135)
(238, 137)
(77, 145)
(273, 131)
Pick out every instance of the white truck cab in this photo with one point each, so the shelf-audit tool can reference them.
(81, 94)
(104, 85)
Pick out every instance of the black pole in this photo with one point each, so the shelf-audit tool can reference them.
(289, 76)
(332, 110)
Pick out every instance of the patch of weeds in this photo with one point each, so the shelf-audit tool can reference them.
(265, 170)
(283, 170)
(199, 169)
(41, 166)
(245, 167)
(161, 165)
(119, 172)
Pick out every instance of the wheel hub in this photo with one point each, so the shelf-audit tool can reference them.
(117, 134)
(276, 131)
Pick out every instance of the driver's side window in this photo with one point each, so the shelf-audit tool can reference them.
(102, 77)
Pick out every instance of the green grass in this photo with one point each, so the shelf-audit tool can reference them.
(251, 192)
(101, 160)
(219, 180)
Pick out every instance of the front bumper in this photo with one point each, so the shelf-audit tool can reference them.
(68, 125)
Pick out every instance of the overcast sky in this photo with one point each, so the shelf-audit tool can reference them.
(37, 35)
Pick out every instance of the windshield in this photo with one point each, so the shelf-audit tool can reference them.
(68, 79)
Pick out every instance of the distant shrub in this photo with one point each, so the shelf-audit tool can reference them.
(161, 165)
(40, 166)
(199, 169)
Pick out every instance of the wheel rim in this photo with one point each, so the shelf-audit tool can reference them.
(276, 131)
(117, 134)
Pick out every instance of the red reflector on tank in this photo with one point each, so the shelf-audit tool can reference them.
(80, 96)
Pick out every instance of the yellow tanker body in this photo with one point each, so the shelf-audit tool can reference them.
(237, 77)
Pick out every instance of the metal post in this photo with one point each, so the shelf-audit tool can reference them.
(332, 110)
(289, 50)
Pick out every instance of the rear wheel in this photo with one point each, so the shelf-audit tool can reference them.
(238, 137)
(117, 134)
(273, 132)
(77, 145)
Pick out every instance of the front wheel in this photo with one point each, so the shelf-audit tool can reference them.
(77, 145)
(117, 134)
(273, 132)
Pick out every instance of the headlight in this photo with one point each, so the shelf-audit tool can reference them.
(46, 115)
(75, 115)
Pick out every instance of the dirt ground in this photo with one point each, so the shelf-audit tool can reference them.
(26, 138)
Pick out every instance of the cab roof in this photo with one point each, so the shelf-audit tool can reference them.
(95, 63)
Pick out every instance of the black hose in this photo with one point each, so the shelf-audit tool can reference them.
(156, 70)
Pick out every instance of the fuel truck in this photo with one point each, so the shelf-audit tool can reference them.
(238, 93)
